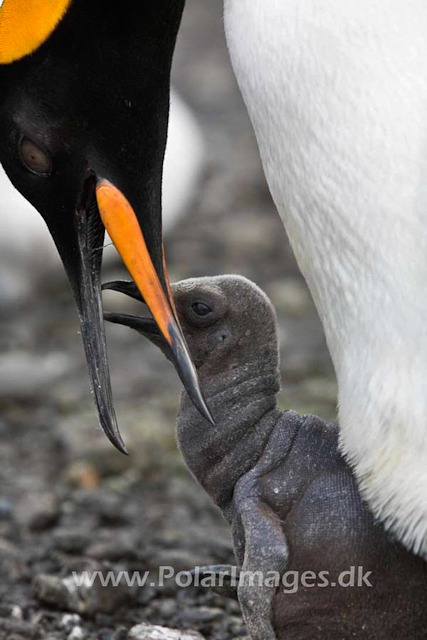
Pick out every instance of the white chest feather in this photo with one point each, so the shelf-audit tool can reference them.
(337, 94)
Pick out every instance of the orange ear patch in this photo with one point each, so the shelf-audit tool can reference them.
(26, 24)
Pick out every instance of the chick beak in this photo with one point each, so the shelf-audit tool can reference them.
(124, 230)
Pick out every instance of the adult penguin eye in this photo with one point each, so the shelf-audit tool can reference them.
(201, 309)
(35, 159)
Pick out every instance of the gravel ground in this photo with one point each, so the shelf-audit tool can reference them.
(69, 501)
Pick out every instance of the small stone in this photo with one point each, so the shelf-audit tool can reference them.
(16, 612)
(147, 631)
(81, 595)
(84, 443)
(70, 620)
(233, 606)
(5, 509)
(71, 541)
(10, 627)
(146, 595)
(8, 549)
(167, 607)
(235, 625)
(117, 549)
(11, 610)
(106, 505)
(77, 633)
(12, 562)
(38, 511)
(204, 614)
(179, 559)
(51, 590)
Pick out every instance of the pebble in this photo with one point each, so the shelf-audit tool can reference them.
(71, 541)
(106, 505)
(146, 631)
(16, 612)
(179, 559)
(8, 549)
(13, 562)
(167, 607)
(51, 590)
(204, 614)
(12, 610)
(105, 634)
(149, 437)
(38, 511)
(69, 620)
(65, 594)
(77, 633)
(10, 627)
(235, 625)
(5, 509)
(233, 606)
(117, 549)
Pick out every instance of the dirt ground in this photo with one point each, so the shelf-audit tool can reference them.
(69, 501)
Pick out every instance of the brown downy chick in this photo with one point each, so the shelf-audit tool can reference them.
(282, 484)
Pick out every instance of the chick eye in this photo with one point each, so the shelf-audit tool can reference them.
(201, 309)
(35, 158)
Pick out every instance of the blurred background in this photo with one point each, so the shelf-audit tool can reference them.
(69, 501)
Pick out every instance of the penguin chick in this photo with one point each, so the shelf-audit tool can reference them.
(313, 561)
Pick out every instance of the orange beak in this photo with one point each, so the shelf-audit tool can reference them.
(124, 230)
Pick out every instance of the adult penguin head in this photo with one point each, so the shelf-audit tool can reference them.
(84, 103)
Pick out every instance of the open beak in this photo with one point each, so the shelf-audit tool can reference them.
(79, 241)
(147, 327)
(124, 230)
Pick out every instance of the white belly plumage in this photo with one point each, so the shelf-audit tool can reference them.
(337, 94)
